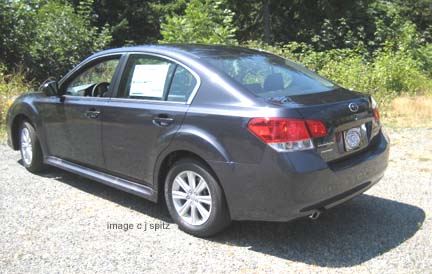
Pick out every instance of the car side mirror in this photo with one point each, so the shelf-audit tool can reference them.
(50, 88)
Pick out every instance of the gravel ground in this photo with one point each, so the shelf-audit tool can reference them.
(57, 222)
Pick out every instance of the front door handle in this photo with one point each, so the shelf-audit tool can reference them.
(162, 120)
(92, 113)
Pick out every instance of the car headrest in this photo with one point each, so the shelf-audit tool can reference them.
(273, 82)
(256, 88)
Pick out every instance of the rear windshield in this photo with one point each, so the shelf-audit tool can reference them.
(267, 75)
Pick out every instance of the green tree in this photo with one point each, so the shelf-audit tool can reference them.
(132, 22)
(323, 24)
(63, 37)
(17, 20)
(204, 21)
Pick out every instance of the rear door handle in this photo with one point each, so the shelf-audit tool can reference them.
(92, 113)
(162, 120)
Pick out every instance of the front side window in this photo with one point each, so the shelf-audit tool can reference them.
(155, 78)
(267, 75)
(100, 74)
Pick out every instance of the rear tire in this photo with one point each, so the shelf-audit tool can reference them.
(31, 152)
(195, 200)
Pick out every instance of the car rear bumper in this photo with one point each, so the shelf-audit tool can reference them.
(285, 186)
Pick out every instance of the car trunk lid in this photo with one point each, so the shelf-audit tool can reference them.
(347, 115)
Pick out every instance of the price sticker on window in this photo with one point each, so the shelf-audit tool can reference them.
(149, 80)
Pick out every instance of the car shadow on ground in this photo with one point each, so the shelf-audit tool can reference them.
(347, 235)
(122, 198)
(344, 236)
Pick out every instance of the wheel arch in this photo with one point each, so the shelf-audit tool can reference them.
(23, 109)
(167, 162)
(15, 126)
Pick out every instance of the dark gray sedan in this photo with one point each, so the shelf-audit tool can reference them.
(218, 133)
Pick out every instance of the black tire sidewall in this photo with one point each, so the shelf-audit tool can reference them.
(219, 216)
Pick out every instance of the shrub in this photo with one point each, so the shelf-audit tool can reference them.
(203, 22)
(17, 20)
(385, 73)
(64, 37)
(11, 85)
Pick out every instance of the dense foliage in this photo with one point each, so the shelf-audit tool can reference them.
(203, 22)
(386, 73)
(379, 46)
(63, 37)
(48, 38)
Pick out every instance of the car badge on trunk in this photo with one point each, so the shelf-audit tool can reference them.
(353, 107)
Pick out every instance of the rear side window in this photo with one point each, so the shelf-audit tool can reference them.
(182, 85)
(154, 78)
(146, 77)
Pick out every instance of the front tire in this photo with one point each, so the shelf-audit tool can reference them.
(195, 199)
(31, 152)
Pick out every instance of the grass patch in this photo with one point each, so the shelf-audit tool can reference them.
(11, 86)
(409, 112)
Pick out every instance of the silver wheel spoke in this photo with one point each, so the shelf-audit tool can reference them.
(180, 195)
(191, 180)
(204, 199)
(194, 213)
(204, 212)
(201, 186)
(184, 209)
(179, 180)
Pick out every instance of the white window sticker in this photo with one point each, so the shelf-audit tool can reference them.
(148, 80)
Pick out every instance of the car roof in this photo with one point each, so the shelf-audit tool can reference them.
(190, 50)
(181, 52)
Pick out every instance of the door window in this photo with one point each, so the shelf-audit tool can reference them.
(146, 77)
(182, 85)
(93, 81)
(155, 78)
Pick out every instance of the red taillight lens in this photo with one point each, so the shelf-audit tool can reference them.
(278, 130)
(316, 128)
(376, 114)
(374, 105)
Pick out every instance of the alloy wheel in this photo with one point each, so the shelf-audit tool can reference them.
(191, 197)
(26, 146)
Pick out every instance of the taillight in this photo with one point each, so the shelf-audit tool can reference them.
(316, 128)
(375, 110)
(285, 134)
(376, 114)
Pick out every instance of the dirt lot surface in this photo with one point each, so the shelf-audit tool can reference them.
(58, 222)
